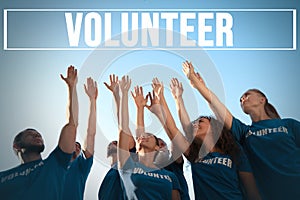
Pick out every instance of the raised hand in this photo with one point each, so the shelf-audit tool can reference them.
(138, 97)
(154, 106)
(114, 84)
(158, 88)
(124, 84)
(188, 69)
(176, 88)
(91, 88)
(71, 78)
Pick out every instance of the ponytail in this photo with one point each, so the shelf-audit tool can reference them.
(269, 108)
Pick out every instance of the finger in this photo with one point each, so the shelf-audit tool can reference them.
(172, 81)
(151, 97)
(153, 86)
(135, 90)
(106, 85)
(177, 82)
(85, 89)
(132, 94)
(141, 91)
(181, 85)
(148, 97)
(62, 77)
(88, 80)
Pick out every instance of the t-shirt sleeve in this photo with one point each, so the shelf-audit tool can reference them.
(62, 158)
(238, 129)
(85, 164)
(129, 164)
(175, 182)
(295, 125)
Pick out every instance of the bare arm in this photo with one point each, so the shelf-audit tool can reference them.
(114, 88)
(125, 134)
(68, 133)
(249, 184)
(140, 103)
(216, 105)
(173, 132)
(177, 91)
(92, 91)
(156, 109)
(175, 195)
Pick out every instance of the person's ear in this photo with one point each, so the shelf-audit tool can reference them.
(262, 100)
(16, 147)
(157, 148)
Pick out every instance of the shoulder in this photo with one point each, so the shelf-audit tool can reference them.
(8, 171)
(60, 157)
(290, 121)
(169, 173)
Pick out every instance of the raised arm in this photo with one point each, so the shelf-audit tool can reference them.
(156, 109)
(140, 103)
(173, 132)
(92, 91)
(114, 88)
(68, 133)
(177, 90)
(125, 134)
(216, 105)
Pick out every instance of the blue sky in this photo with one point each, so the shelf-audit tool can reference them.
(32, 94)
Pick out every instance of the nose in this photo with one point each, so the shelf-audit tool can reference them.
(36, 135)
(242, 99)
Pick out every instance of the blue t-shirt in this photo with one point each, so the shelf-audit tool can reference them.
(76, 177)
(177, 169)
(141, 182)
(40, 179)
(273, 149)
(216, 176)
(111, 187)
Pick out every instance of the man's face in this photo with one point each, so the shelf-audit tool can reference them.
(32, 141)
(77, 150)
(111, 148)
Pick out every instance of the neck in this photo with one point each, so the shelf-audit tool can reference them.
(114, 159)
(207, 142)
(258, 116)
(208, 145)
(147, 159)
(28, 157)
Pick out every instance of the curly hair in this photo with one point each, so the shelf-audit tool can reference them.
(225, 141)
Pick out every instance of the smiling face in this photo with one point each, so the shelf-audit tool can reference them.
(29, 140)
(201, 127)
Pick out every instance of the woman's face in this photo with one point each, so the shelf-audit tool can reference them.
(148, 141)
(251, 100)
(201, 127)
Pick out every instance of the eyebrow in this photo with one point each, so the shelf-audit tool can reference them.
(246, 93)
